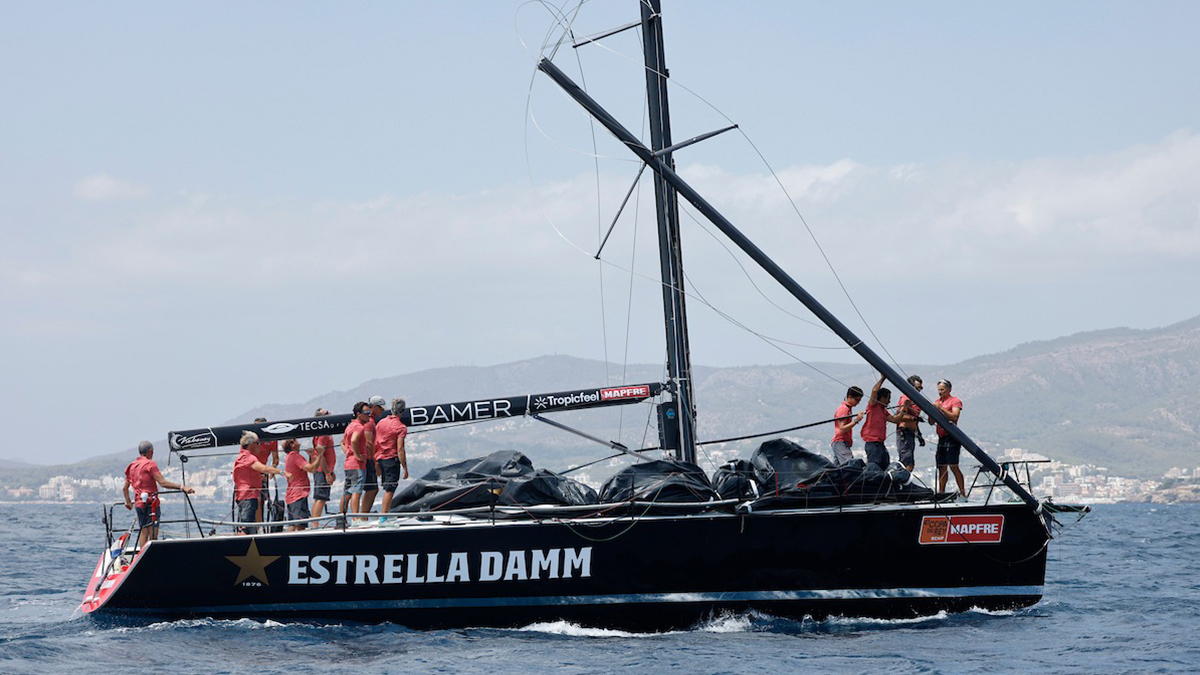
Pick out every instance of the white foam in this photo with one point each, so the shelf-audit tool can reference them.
(729, 623)
(575, 630)
(992, 612)
(850, 620)
(240, 624)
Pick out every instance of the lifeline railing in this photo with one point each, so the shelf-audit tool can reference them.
(1011, 468)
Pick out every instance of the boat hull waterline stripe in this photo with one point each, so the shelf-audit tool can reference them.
(627, 598)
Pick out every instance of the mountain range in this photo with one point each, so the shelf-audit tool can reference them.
(1119, 398)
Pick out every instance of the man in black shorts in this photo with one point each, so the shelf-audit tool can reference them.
(323, 479)
(948, 447)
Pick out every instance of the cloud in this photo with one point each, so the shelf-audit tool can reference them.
(104, 188)
(1036, 220)
(1044, 218)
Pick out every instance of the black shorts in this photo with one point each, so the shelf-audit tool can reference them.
(389, 473)
(877, 454)
(298, 510)
(245, 510)
(370, 484)
(947, 451)
(320, 487)
(147, 515)
(906, 444)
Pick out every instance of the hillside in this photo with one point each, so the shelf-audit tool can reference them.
(1117, 398)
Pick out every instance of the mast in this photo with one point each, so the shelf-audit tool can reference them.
(667, 173)
(676, 418)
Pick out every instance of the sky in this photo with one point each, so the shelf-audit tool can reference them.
(206, 207)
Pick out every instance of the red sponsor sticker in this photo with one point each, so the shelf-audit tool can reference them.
(617, 393)
(961, 529)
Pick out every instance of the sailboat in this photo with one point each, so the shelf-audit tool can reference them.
(499, 543)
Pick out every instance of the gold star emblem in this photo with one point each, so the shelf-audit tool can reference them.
(252, 564)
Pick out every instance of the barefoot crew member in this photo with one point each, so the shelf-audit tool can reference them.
(948, 448)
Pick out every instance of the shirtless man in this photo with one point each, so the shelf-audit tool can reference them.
(948, 447)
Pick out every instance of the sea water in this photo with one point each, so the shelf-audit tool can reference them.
(1122, 596)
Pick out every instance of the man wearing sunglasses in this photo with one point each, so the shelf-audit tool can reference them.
(356, 449)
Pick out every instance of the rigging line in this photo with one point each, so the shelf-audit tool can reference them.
(766, 339)
(777, 431)
(749, 278)
(560, 20)
(817, 243)
(563, 236)
(779, 182)
(595, 461)
(629, 300)
(637, 202)
(599, 214)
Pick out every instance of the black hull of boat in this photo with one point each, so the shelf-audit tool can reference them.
(620, 573)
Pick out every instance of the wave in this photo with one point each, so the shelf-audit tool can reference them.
(187, 624)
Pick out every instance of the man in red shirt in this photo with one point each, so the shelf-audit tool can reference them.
(844, 421)
(324, 477)
(355, 447)
(143, 475)
(874, 430)
(390, 433)
(370, 466)
(948, 448)
(297, 469)
(265, 449)
(248, 474)
(907, 431)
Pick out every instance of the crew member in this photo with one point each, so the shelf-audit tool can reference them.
(370, 468)
(389, 452)
(247, 483)
(874, 430)
(323, 479)
(948, 447)
(354, 446)
(143, 475)
(843, 427)
(265, 449)
(907, 431)
(298, 469)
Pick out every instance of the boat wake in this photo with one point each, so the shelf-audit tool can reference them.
(758, 622)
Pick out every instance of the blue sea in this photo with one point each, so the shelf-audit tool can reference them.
(1122, 596)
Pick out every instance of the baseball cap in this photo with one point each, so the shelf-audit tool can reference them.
(376, 401)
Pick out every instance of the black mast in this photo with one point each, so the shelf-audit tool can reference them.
(676, 419)
(667, 173)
